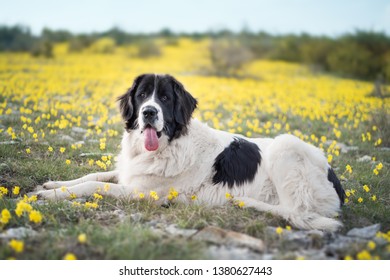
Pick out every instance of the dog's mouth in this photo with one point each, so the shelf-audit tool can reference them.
(151, 136)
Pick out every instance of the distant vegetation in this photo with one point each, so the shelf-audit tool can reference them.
(361, 54)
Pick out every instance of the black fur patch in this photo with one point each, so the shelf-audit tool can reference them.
(237, 163)
(337, 185)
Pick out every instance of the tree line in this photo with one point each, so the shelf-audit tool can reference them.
(359, 54)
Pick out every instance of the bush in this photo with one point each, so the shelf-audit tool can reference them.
(79, 43)
(103, 45)
(148, 48)
(42, 48)
(316, 52)
(228, 56)
(351, 59)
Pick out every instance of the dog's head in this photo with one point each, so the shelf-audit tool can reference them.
(157, 105)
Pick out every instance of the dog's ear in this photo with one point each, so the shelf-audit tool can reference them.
(126, 102)
(185, 104)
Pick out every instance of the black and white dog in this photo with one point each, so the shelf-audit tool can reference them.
(163, 147)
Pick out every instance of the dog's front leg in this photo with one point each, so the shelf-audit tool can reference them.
(110, 176)
(86, 189)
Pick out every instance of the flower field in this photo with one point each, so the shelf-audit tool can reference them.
(59, 120)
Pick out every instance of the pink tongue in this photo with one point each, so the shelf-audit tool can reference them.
(151, 140)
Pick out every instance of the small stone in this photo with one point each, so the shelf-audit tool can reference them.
(12, 142)
(230, 238)
(18, 233)
(136, 217)
(231, 253)
(80, 130)
(66, 138)
(366, 232)
(174, 230)
(364, 158)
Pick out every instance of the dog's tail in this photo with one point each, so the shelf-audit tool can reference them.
(302, 220)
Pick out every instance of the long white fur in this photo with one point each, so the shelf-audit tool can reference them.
(291, 180)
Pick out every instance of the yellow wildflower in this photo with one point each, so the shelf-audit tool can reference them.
(67, 161)
(97, 196)
(360, 199)
(35, 216)
(32, 198)
(141, 195)
(193, 197)
(70, 257)
(3, 190)
(82, 238)
(364, 255)
(16, 245)
(228, 196)
(241, 204)
(154, 195)
(373, 198)
(348, 258)
(63, 188)
(106, 187)
(378, 142)
(28, 150)
(93, 205)
(172, 194)
(5, 216)
(16, 190)
(279, 230)
(348, 168)
(62, 150)
(22, 207)
(366, 188)
(371, 245)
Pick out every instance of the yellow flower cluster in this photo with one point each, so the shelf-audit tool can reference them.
(172, 194)
(368, 253)
(23, 206)
(154, 195)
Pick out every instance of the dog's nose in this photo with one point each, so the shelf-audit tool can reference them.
(149, 112)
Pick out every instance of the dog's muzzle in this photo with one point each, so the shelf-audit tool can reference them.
(149, 114)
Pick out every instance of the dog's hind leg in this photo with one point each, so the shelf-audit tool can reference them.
(110, 176)
(85, 189)
(306, 220)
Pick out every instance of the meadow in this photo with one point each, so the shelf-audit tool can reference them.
(59, 120)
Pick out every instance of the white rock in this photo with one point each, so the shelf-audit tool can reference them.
(18, 233)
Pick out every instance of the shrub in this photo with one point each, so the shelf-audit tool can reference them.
(79, 43)
(103, 45)
(351, 59)
(228, 56)
(148, 48)
(42, 48)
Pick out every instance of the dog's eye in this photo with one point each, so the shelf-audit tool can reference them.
(143, 95)
(164, 98)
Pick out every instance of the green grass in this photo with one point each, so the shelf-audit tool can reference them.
(110, 238)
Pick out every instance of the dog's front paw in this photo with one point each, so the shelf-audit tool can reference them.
(50, 195)
(50, 185)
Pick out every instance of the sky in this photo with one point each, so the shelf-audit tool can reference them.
(316, 17)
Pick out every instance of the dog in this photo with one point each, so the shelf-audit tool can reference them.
(164, 147)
